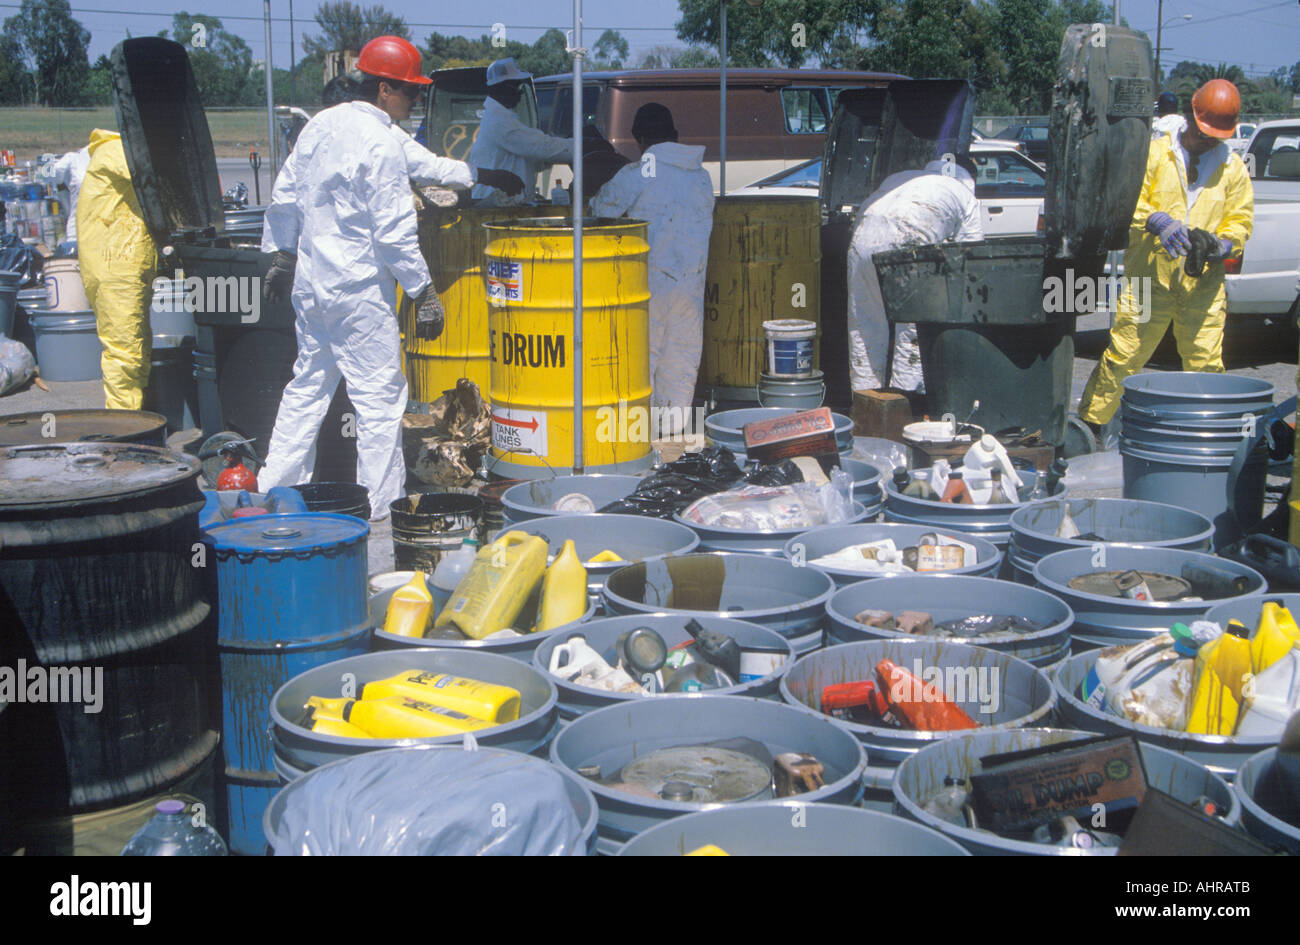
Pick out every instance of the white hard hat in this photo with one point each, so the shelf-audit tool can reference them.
(506, 70)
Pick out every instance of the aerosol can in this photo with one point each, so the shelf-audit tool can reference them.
(236, 476)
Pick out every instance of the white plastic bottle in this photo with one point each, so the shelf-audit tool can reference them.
(983, 456)
(450, 570)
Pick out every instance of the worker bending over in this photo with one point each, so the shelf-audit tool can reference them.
(910, 208)
(669, 189)
(1196, 197)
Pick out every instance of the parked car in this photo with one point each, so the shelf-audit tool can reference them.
(1010, 188)
(1241, 136)
(1033, 135)
(1265, 283)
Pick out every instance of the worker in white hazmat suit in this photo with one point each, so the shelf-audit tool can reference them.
(910, 208)
(342, 205)
(505, 142)
(1168, 120)
(68, 172)
(669, 189)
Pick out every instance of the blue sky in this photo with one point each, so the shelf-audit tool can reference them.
(1258, 35)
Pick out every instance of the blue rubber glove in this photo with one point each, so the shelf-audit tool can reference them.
(1225, 248)
(1171, 233)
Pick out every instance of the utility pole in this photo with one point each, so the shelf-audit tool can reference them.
(292, 57)
(1160, 25)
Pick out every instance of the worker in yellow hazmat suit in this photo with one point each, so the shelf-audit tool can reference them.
(118, 262)
(1194, 187)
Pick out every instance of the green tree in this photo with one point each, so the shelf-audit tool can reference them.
(776, 32)
(99, 87)
(17, 85)
(611, 51)
(936, 39)
(1293, 79)
(51, 45)
(222, 61)
(347, 26)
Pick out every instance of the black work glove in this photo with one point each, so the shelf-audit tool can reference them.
(279, 277)
(1205, 246)
(501, 180)
(428, 315)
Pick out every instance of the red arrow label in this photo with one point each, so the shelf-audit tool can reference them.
(530, 425)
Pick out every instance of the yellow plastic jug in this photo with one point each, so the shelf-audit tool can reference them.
(481, 700)
(327, 726)
(408, 610)
(1222, 667)
(321, 708)
(564, 590)
(709, 849)
(603, 557)
(402, 717)
(1276, 634)
(498, 584)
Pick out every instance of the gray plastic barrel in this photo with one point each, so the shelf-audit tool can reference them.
(866, 484)
(171, 390)
(996, 689)
(580, 797)
(805, 548)
(536, 498)
(9, 281)
(949, 597)
(727, 427)
(602, 635)
(617, 734)
(1109, 621)
(1255, 788)
(921, 776)
(302, 749)
(205, 379)
(1248, 609)
(1222, 754)
(1131, 521)
(168, 312)
(519, 648)
(754, 541)
(796, 393)
(1193, 395)
(992, 522)
(631, 537)
(789, 828)
(770, 592)
(67, 345)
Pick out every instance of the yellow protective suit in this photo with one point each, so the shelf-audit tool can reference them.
(118, 262)
(1197, 307)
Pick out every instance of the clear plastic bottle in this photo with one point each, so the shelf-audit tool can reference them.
(172, 832)
(451, 568)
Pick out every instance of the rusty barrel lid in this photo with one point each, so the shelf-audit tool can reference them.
(68, 474)
(83, 426)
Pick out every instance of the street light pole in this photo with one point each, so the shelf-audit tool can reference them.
(722, 128)
(1160, 25)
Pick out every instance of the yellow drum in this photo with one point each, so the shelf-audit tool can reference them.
(452, 242)
(764, 264)
(529, 285)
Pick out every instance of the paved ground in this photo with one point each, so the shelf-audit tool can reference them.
(1253, 348)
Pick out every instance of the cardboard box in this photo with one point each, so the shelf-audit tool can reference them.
(809, 433)
(1018, 791)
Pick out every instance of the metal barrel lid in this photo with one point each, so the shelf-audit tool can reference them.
(297, 532)
(82, 426)
(65, 474)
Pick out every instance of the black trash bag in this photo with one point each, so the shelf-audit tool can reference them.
(784, 473)
(16, 256)
(679, 483)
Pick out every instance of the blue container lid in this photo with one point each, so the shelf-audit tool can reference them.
(299, 532)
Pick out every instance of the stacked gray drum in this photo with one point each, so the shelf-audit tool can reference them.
(1179, 440)
(173, 390)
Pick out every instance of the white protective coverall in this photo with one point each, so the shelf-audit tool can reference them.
(910, 208)
(70, 171)
(1167, 125)
(507, 144)
(424, 167)
(677, 201)
(343, 203)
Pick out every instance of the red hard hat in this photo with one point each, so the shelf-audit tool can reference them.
(391, 57)
(1216, 107)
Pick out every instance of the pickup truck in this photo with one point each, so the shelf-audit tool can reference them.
(1268, 282)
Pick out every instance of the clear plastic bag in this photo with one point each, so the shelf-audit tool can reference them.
(760, 508)
(425, 802)
(17, 366)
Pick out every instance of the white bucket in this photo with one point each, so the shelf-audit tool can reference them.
(790, 347)
(63, 288)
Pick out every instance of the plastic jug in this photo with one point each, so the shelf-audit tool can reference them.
(956, 491)
(481, 700)
(575, 660)
(324, 725)
(409, 608)
(1222, 666)
(1274, 637)
(497, 586)
(402, 717)
(1272, 697)
(172, 832)
(987, 454)
(451, 570)
(564, 590)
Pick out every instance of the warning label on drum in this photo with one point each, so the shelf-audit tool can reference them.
(519, 431)
(505, 281)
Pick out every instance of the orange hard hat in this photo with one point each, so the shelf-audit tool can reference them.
(391, 57)
(1216, 106)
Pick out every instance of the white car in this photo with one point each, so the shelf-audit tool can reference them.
(1270, 263)
(1009, 187)
(1240, 139)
